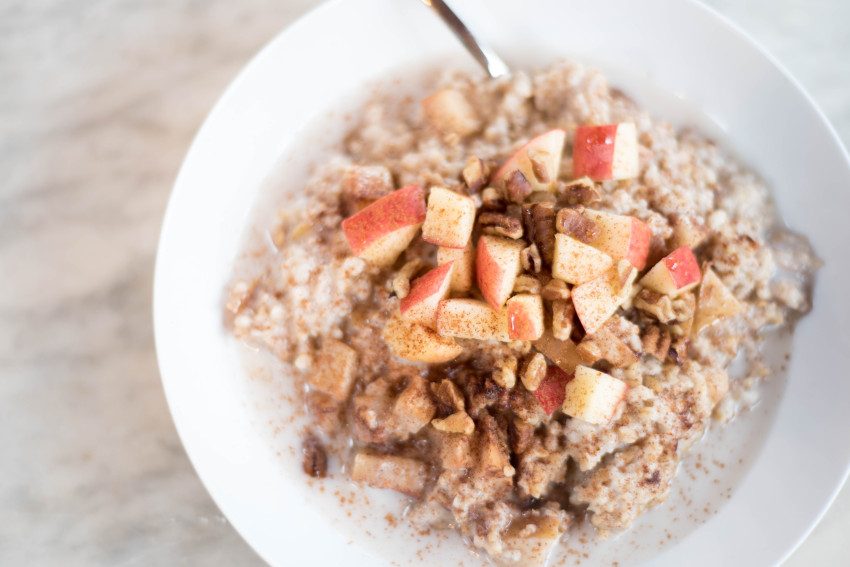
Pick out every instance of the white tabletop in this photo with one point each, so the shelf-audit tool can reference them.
(98, 103)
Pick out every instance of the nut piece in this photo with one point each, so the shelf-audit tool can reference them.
(656, 305)
(449, 395)
(531, 260)
(534, 372)
(562, 318)
(526, 283)
(458, 422)
(414, 408)
(678, 352)
(505, 373)
(401, 281)
(475, 174)
(520, 435)
(572, 223)
(555, 289)
(656, 341)
(492, 198)
(543, 220)
(501, 225)
(315, 462)
(580, 192)
(517, 187)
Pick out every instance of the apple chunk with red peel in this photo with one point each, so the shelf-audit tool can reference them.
(539, 161)
(381, 231)
(525, 317)
(597, 300)
(606, 152)
(426, 292)
(676, 273)
(714, 302)
(418, 343)
(576, 262)
(593, 396)
(497, 264)
(463, 274)
(551, 392)
(449, 218)
(621, 237)
(471, 319)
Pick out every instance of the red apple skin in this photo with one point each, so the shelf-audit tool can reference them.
(551, 139)
(525, 317)
(399, 209)
(641, 236)
(593, 151)
(424, 287)
(552, 390)
(683, 267)
(492, 278)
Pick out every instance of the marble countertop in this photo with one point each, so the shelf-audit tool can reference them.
(99, 101)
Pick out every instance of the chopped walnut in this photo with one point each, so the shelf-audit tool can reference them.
(505, 373)
(517, 186)
(562, 318)
(492, 198)
(531, 260)
(526, 283)
(580, 192)
(538, 165)
(475, 173)
(401, 281)
(315, 462)
(656, 305)
(501, 225)
(449, 395)
(656, 341)
(458, 422)
(555, 290)
(572, 223)
(534, 372)
(543, 220)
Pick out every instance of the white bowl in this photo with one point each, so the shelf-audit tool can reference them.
(648, 47)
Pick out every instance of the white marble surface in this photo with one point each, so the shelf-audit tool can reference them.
(99, 100)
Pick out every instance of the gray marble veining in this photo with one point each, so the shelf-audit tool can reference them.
(99, 101)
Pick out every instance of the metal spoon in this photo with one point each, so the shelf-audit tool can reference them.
(491, 62)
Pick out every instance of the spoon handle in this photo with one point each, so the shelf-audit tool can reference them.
(491, 62)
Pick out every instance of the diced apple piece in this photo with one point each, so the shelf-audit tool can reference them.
(414, 407)
(464, 270)
(676, 273)
(454, 450)
(426, 292)
(593, 396)
(381, 231)
(714, 302)
(529, 541)
(563, 353)
(471, 319)
(538, 161)
(576, 262)
(597, 300)
(416, 342)
(621, 237)
(606, 152)
(403, 474)
(525, 317)
(551, 391)
(335, 367)
(497, 264)
(449, 218)
(449, 112)
(363, 184)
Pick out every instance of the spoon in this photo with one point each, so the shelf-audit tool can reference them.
(491, 62)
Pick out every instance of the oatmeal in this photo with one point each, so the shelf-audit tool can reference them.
(520, 299)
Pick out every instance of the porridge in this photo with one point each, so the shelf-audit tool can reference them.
(516, 302)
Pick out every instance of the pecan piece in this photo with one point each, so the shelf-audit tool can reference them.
(315, 462)
(449, 395)
(555, 289)
(501, 225)
(580, 192)
(492, 198)
(475, 174)
(517, 186)
(531, 260)
(656, 341)
(571, 222)
(543, 219)
(678, 352)
(526, 283)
